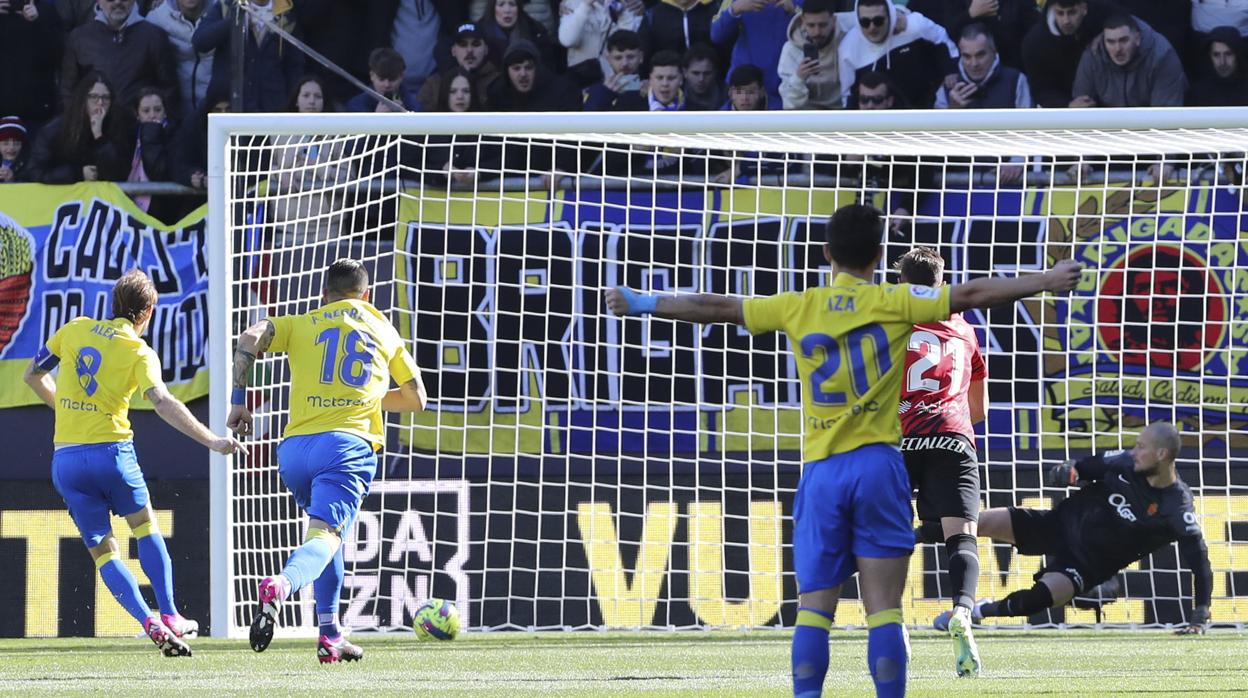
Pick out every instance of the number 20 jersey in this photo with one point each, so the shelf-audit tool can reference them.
(849, 341)
(942, 359)
(342, 356)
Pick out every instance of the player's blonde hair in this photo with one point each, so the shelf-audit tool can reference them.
(133, 294)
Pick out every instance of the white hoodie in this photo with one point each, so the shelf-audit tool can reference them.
(857, 51)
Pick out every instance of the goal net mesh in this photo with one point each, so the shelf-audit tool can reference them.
(575, 470)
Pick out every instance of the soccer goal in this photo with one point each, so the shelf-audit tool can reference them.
(575, 470)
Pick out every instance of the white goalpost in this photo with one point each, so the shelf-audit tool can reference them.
(580, 471)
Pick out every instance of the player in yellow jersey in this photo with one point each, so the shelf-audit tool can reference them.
(342, 358)
(851, 512)
(94, 467)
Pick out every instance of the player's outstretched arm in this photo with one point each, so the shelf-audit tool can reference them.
(253, 342)
(1194, 555)
(41, 382)
(700, 307)
(986, 293)
(171, 409)
(409, 397)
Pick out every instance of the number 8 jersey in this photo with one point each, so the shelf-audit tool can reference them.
(342, 357)
(942, 360)
(849, 341)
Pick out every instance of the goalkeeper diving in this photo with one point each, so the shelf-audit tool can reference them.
(1132, 504)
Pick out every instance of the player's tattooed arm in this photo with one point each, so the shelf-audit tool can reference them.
(40, 381)
(253, 342)
(409, 397)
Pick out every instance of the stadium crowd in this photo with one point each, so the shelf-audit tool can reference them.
(120, 89)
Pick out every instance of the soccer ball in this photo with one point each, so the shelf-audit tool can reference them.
(436, 620)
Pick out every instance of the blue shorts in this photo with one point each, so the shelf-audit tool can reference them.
(329, 474)
(850, 505)
(95, 479)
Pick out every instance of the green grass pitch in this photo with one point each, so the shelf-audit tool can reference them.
(1048, 662)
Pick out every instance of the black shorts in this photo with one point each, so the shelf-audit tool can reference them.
(1037, 532)
(946, 477)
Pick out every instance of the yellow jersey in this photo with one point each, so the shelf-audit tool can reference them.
(849, 340)
(102, 362)
(342, 357)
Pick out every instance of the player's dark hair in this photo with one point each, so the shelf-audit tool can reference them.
(921, 265)
(815, 7)
(1122, 20)
(346, 277)
(745, 75)
(854, 233)
(133, 294)
(624, 40)
(665, 58)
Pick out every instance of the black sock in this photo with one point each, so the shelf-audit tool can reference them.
(1024, 602)
(963, 568)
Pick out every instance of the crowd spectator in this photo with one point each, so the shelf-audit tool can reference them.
(621, 90)
(1222, 81)
(271, 67)
(310, 97)
(984, 82)
(755, 31)
(527, 85)
(75, 13)
(457, 158)
(471, 55)
(413, 27)
(130, 51)
(1054, 46)
(1129, 66)
(1007, 20)
(88, 143)
(179, 19)
(385, 71)
(747, 89)
(918, 58)
(677, 25)
(1170, 18)
(1208, 15)
(663, 89)
(704, 91)
(875, 90)
(149, 161)
(190, 162)
(505, 23)
(12, 149)
(585, 25)
(30, 33)
(339, 31)
(808, 71)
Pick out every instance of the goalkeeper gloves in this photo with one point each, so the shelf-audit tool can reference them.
(638, 303)
(1197, 623)
(1064, 475)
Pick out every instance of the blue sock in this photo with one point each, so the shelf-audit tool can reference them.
(308, 560)
(810, 652)
(886, 653)
(154, 557)
(328, 590)
(124, 586)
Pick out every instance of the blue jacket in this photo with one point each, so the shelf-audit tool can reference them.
(756, 39)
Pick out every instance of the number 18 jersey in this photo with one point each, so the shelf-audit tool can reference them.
(342, 357)
(849, 341)
(941, 361)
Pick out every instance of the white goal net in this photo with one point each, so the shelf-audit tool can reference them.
(575, 470)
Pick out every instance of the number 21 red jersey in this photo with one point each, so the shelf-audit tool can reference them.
(942, 359)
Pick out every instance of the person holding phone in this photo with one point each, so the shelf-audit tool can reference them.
(622, 90)
(983, 81)
(809, 78)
